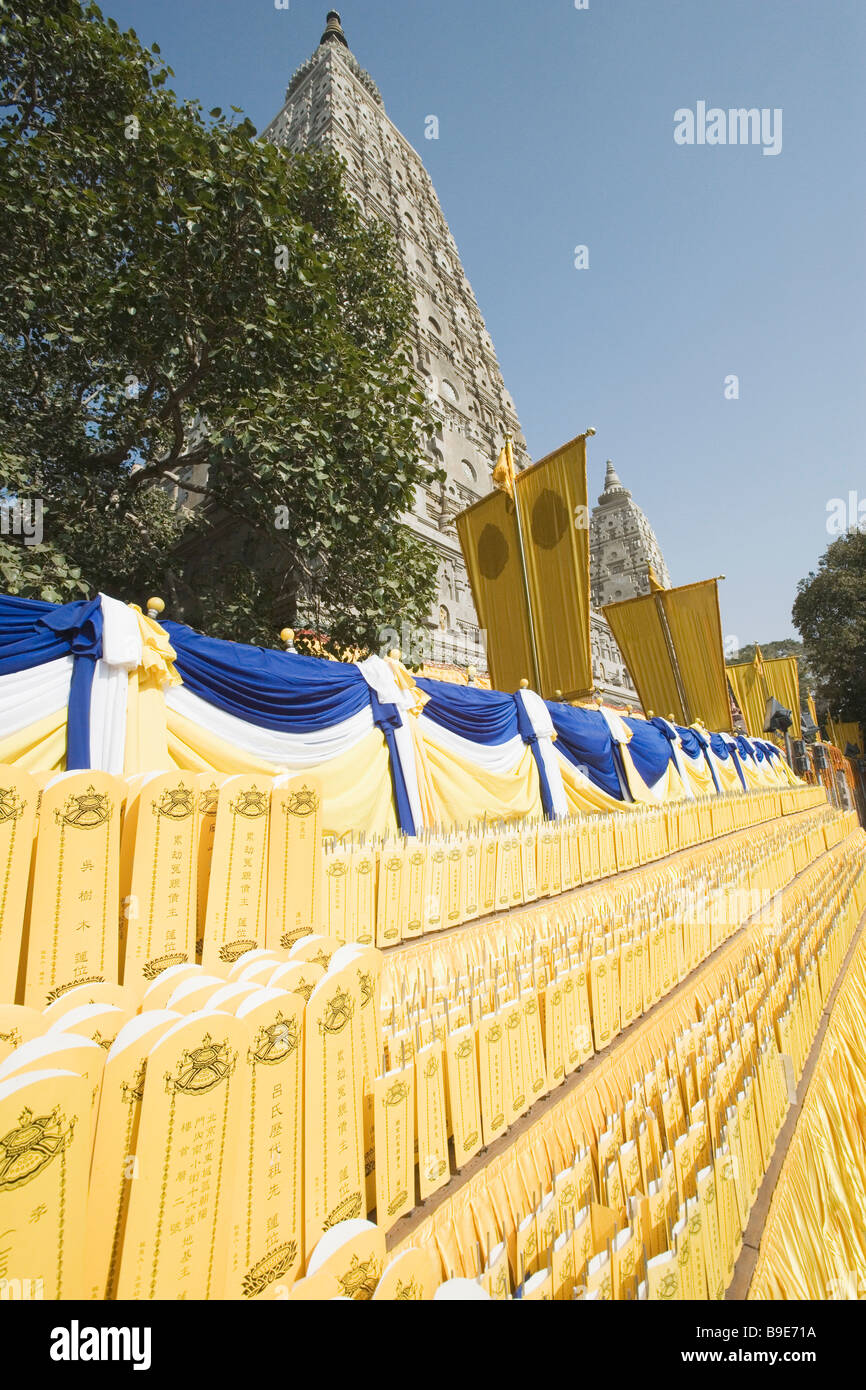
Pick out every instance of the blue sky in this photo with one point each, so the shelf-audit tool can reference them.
(556, 130)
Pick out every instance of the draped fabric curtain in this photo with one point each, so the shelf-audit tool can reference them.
(98, 684)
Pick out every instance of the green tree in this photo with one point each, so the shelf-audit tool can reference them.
(190, 309)
(830, 614)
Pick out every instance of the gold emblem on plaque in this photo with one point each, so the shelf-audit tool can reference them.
(86, 811)
(32, 1145)
(360, 1280)
(272, 1267)
(177, 803)
(11, 805)
(202, 1068)
(251, 804)
(303, 802)
(338, 1012)
(276, 1041)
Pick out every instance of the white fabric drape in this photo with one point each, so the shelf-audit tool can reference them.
(297, 752)
(499, 758)
(542, 727)
(379, 676)
(28, 696)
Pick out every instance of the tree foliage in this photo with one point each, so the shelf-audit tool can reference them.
(830, 614)
(189, 308)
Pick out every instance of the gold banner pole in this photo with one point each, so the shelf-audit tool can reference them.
(536, 677)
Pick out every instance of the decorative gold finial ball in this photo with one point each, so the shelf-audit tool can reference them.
(524, 684)
(287, 634)
(557, 694)
(155, 606)
(394, 654)
(671, 719)
(649, 714)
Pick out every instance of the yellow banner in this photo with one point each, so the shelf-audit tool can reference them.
(754, 684)
(637, 625)
(843, 734)
(671, 640)
(491, 549)
(554, 513)
(696, 628)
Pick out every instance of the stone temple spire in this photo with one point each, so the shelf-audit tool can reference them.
(613, 488)
(334, 31)
(622, 546)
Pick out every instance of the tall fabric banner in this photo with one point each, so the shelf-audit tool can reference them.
(490, 542)
(554, 511)
(755, 682)
(671, 640)
(637, 625)
(535, 609)
(696, 628)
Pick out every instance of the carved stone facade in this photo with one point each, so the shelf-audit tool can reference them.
(332, 103)
(623, 546)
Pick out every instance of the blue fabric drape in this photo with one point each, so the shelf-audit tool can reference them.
(286, 692)
(650, 750)
(274, 690)
(78, 714)
(696, 743)
(724, 750)
(482, 716)
(583, 737)
(32, 632)
(528, 734)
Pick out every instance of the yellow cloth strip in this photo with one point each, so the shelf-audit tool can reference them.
(39, 747)
(356, 786)
(843, 734)
(729, 778)
(668, 788)
(584, 798)
(814, 1241)
(754, 684)
(699, 775)
(552, 497)
(465, 793)
(696, 631)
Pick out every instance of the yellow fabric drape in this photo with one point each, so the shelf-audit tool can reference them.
(842, 734)
(157, 653)
(491, 549)
(583, 797)
(552, 497)
(754, 684)
(729, 779)
(691, 613)
(669, 786)
(38, 747)
(700, 778)
(814, 1240)
(640, 636)
(696, 629)
(464, 792)
(146, 747)
(356, 786)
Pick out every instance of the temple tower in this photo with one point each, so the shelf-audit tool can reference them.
(332, 103)
(623, 546)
